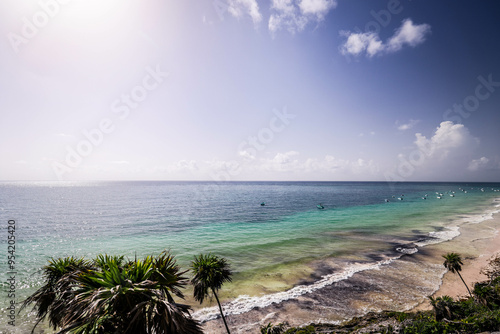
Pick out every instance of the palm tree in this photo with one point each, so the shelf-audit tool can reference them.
(210, 272)
(453, 262)
(443, 307)
(115, 296)
(50, 300)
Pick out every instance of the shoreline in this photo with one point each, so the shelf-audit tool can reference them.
(477, 242)
(473, 263)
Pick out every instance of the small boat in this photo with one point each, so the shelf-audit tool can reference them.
(320, 206)
(400, 198)
(439, 197)
(386, 200)
(262, 204)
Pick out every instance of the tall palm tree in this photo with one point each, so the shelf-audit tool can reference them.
(453, 262)
(210, 272)
(115, 296)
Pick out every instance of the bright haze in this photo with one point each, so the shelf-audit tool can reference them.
(250, 90)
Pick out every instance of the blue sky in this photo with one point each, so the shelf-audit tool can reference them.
(250, 90)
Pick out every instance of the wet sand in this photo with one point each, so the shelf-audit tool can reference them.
(400, 285)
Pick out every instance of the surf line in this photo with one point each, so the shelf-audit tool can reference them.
(245, 303)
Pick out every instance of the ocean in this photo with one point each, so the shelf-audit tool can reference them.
(280, 252)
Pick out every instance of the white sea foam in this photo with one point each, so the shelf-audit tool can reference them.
(449, 233)
(244, 303)
(404, 250)
(476, 219)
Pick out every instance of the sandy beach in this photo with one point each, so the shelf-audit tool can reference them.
(476, 244)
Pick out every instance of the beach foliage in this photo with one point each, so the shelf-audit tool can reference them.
(273, 329)
(453, 262)
(112, 295)
(475, 314)
(51, 299)
(479, 313)
(210, 273)
(302, 330)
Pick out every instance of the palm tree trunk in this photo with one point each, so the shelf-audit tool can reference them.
(221, 313)
(465, 284)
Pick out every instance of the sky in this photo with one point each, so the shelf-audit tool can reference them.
(227, 90)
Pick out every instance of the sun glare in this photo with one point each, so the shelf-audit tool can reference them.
(90, 12)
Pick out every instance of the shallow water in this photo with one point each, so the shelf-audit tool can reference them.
(282, 251)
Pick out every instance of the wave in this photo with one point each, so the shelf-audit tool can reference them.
(244, 303)
(436, 237)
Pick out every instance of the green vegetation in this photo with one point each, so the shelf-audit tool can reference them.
(111, 295)
(478, 313)
(453, 262)
(210, 272)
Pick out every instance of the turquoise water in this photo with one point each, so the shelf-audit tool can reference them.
(264, 244)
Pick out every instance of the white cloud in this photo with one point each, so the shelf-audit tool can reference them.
(327, 167)
(446, 155)
(285, 158)
(408, 33)
(478, 164)
(449, 139)
(238, 8)
(407, 126)
(285, 6)
(294, 15)
(247, 155)
(277, 166)
(370, 42)
(319, 8)
(358, 43)
(183, 166)
(328, 164)
(282, 162)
